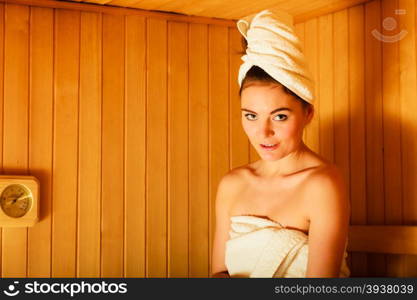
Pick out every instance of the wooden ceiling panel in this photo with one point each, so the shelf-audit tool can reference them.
(234, 9)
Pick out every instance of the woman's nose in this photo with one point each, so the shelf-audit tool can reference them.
(267, 129)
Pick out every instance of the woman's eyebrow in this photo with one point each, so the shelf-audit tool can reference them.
(272, 112)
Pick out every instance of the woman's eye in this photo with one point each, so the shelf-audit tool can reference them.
(279, 119)
(250, 118)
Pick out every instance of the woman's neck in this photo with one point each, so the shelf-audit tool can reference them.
(284, 166)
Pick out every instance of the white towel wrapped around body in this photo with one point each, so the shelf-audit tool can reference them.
(259, 247)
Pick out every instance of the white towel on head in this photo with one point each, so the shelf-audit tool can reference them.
(274, 47)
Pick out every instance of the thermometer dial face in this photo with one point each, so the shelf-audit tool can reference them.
(15, 200)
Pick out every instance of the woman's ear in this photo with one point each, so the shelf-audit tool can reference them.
(309, 114)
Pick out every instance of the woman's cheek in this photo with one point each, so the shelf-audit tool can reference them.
(251, 133)
(289, 131)
(249, 130)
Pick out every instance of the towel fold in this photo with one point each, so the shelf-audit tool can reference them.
(274, 47)
(262, 248)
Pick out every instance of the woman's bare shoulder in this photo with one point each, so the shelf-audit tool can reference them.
(229, 186)
(325, 185)
(326, 172)
(235, 177)
(232, 182)
(323, 169)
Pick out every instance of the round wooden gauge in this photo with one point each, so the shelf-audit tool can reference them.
(16, 200)
(19, 200)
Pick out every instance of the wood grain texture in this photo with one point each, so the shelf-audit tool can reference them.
(374, 130)
(357, 129)
(65, 147)
(121, 11)
(178, 202)
(89, 147)
(135, 152)
(130, 121)
(312, 131)
(239, 144)
(199, 251)
(392, 132)
(341, 95)
(300, 32)
(112, 181)
(383, 239)
(2, 23)
(156, 151)
(326, 86)
(408, 96)
(16, 126)
(219, 147)
(234, 9)
(40, 135)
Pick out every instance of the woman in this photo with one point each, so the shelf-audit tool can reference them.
(287, 214)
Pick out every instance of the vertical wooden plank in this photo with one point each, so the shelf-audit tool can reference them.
(357, 130)
(156, 160)
(40, 138)
(64, 197)
(112, 147)
(2, 21)
(300, 32)
(89, 172)
(239, 142)
(326, 78)
(341, 98)
(218, 115)
(392, 131)
(135, 126)
(178, 149)
(374, 131)
(240, 154)
(253, 154)
(311, 53)
(341, 94)
(198, 151)
(15, 136)
(408, 96)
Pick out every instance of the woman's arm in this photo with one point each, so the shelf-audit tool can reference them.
(224, 198)
(329, 212)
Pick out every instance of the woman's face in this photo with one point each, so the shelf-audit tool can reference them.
(270, 116)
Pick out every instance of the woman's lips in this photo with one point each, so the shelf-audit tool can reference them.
(269, 148)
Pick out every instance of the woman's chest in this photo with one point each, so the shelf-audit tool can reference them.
(282, 201)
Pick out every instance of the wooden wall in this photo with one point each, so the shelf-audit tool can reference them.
(367, 98)
(129, 121)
